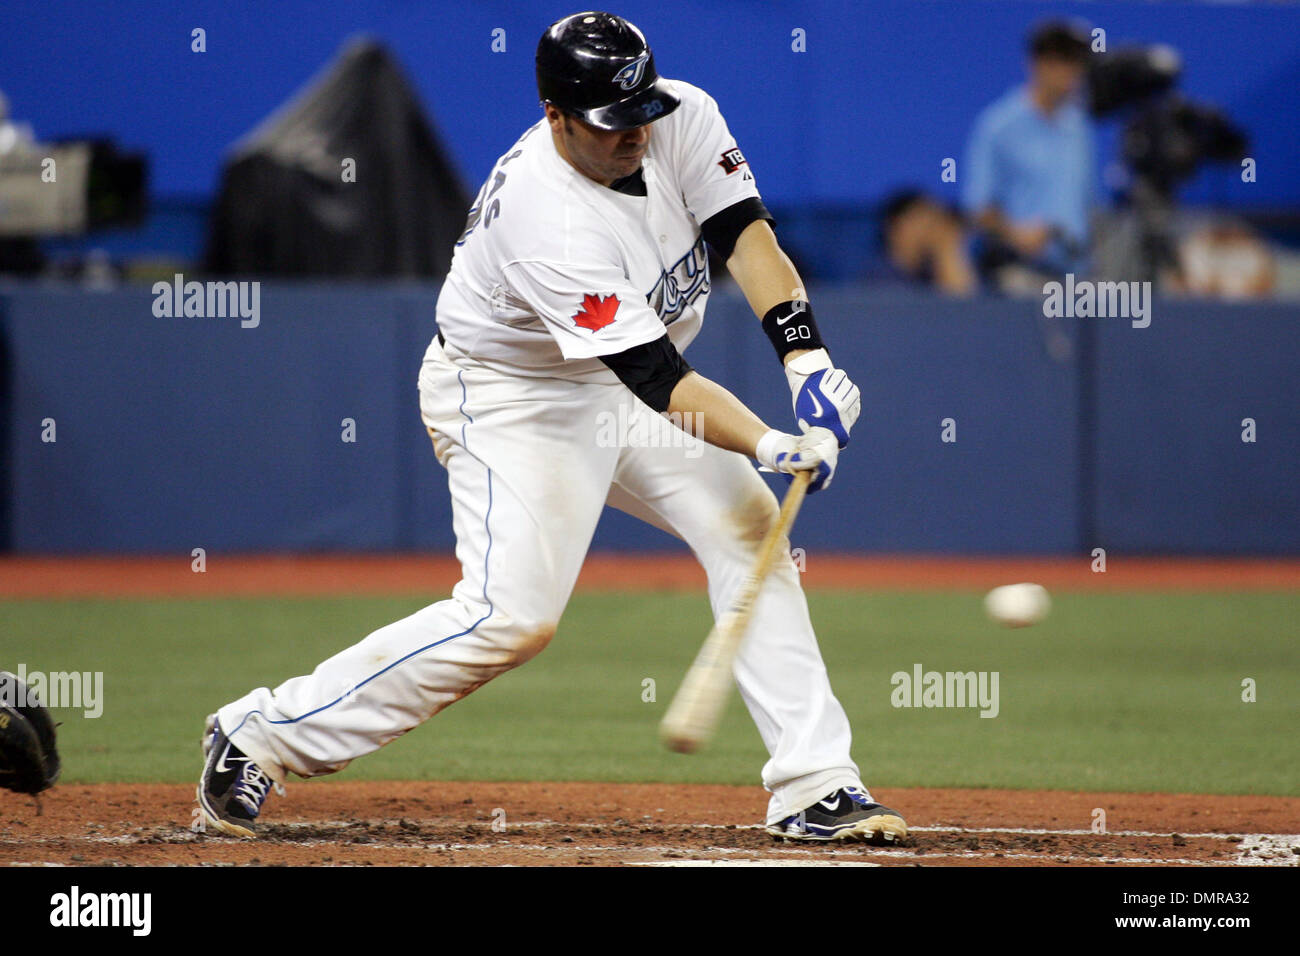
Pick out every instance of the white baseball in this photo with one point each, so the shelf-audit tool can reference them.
(1018, 605)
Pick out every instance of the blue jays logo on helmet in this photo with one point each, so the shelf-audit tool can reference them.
(630, 75)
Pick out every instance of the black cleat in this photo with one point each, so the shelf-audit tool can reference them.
(848, 814)
(233, 788)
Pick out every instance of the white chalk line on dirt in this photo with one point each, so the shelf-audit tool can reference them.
(730, 863)
(811, 854)
(676, 856)
(1254, 849)
(1267, 840)
(648, 824)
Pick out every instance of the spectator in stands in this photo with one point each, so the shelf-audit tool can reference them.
(1029, 179)
(19, 255)
(1226, 260)
(928, 242)
(13, 136)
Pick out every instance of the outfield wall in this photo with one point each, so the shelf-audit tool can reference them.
(176, 433)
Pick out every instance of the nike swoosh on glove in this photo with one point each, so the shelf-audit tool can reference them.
(824, 396)
(785, 454)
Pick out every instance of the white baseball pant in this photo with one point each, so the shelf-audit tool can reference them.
(530, 467)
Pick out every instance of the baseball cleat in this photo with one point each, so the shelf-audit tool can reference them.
(849, 814)
(233, 788)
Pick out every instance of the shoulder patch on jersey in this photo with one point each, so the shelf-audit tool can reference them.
(732, 160)
(596, 312)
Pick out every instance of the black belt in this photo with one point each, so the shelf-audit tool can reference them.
(441, 340)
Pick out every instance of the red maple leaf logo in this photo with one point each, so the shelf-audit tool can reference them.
(596, 313)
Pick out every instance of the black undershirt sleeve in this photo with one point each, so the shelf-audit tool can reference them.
(723, 229)
(651, 371)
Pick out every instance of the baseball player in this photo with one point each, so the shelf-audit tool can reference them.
(578, 283)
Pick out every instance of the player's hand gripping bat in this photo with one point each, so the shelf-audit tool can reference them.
(694, 713)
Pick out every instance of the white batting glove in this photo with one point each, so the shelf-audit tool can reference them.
(815, 450)
(823, 395)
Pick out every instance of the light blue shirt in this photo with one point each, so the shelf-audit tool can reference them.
(1033, 167)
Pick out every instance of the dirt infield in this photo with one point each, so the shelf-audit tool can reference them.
(229, 575)
(599, 824)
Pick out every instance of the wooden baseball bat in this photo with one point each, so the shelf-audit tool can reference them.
(693, 715)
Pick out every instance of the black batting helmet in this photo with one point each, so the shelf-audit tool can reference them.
(598, 67)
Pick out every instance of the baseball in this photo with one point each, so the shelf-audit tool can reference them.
(1018, 605)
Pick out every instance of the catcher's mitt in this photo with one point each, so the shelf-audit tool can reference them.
(29, 760)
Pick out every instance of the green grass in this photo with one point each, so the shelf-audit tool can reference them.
(1112, 692)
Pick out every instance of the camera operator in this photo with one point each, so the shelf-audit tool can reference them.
(1030, 179)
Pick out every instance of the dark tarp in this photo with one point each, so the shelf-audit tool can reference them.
(285, 209)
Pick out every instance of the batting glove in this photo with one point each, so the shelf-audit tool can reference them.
(824, 396)
(816, 450)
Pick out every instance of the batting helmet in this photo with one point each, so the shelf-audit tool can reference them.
(598, 67)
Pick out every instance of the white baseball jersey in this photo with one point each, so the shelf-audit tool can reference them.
(554, 269)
